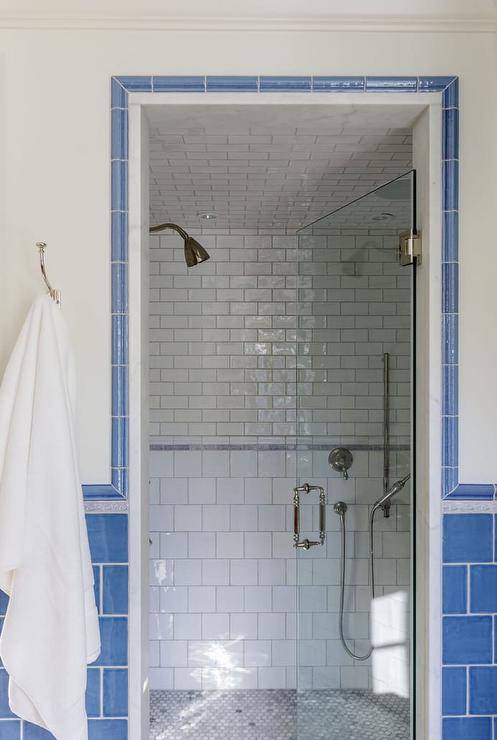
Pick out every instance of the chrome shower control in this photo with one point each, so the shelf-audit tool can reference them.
(340, 460)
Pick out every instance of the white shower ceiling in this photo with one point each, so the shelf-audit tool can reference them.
(271, 167)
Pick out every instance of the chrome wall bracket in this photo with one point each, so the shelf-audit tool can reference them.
(306, 544)
(409, 248)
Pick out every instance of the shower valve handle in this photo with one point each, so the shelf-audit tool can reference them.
(306, 543)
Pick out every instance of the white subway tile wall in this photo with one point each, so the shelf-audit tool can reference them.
(226, 346)
(235, 358)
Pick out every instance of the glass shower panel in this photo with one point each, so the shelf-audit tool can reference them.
(354, 457)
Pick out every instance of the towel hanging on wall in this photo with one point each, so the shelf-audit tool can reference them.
(50, 630)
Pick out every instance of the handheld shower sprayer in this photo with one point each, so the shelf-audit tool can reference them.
(395, 488)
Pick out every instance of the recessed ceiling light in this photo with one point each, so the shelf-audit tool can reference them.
(382, 217)
(207, 216)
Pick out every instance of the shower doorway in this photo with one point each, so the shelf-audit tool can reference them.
(283, 359)
(354, 456)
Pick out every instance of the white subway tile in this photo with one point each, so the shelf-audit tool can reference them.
(272, 626)
(215, 627)
(257, 653)
(243, 572)
(201, 490)
(201, 545)
(216, 518)
(230, 599)
(257, 544)
(272, 678)
(229, 545)
(161, 678)
(243, 626)
(202, 598)
(173, 653)
(215, 572)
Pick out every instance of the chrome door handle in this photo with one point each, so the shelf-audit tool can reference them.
(307, 488)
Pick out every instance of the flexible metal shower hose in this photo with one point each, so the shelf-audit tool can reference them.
(342, 582)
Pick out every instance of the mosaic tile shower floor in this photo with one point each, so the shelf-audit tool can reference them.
(274, 715)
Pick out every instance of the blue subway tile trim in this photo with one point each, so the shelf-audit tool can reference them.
(285, 84)
(450, 236)
(450, 137)
(119, 236)
(4, 602)
(120, 350)
(449, 441)
(119, 276)
(179, 83)
(115, 589)
(454, 691)
(115, 692)
(450, 287)
(119, 478)
(100, 491)
(450, 340)
(450, 184)
(229, 83)
(391, 84)
(108, 537)
(119, 441)
(467, 640)
(434, 84)
(450, 476)
(450, 390)
(483, 589)
(455, 578)
(338, 84)
(136, 83)
(468, 538)
(120, 390)
(483, 690)
(467, 728)
(107, 729)
(93, 708)
(119, 138)
(119, 185)
(118, 94)
(450, 96)
(10, 729)
(114, 638)
(472, 491)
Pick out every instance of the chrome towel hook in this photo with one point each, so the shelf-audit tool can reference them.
(53, 292)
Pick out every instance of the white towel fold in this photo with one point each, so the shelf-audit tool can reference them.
(51, 630)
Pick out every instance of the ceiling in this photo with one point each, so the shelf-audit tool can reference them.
(271, 166)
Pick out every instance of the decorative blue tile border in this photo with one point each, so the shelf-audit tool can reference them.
(447, 86)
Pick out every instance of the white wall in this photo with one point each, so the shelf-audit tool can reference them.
(54, 182)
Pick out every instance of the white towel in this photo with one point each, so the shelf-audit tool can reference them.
(51, 630)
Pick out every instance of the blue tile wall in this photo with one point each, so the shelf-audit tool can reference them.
(468, 538)
(469, 625)
(467, 728)
(455, 579)
(454, 681)
(10, 730)
(483, 588)
(107, 729)
(115, 692)
(115, 588)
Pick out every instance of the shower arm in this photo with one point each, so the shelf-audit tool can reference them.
(174, 227)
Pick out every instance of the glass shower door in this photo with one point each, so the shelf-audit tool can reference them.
(354, 458)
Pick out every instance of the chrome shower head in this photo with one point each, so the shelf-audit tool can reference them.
(395, 488)
(194, 252)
